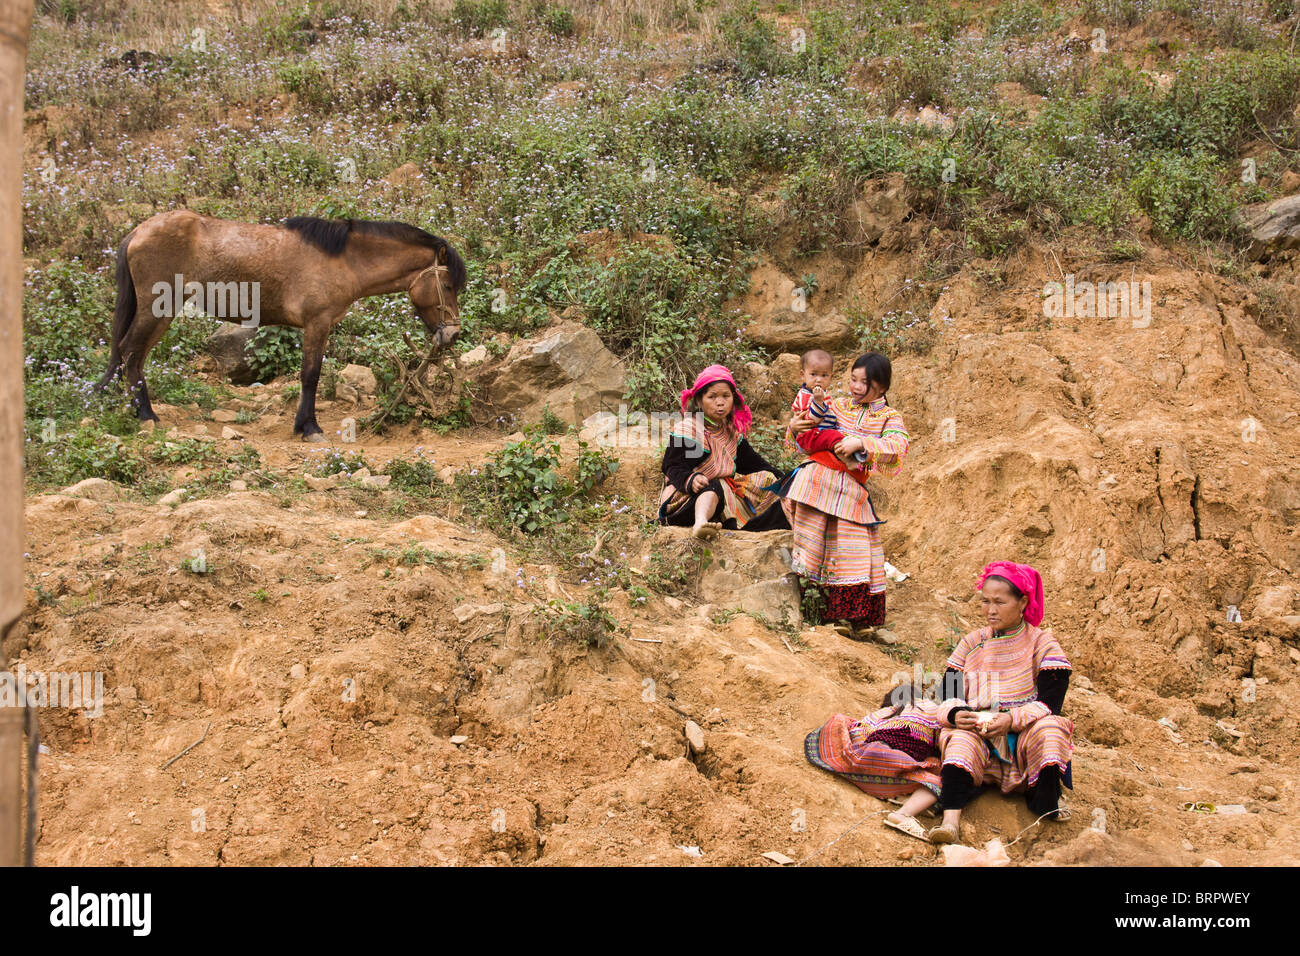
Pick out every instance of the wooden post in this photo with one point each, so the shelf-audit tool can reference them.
(15, 24)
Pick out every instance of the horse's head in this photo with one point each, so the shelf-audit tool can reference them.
(434, 293)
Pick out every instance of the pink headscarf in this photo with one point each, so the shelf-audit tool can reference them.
(741, 416)
(1029, 581)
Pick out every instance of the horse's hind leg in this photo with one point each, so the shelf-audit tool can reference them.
(314, 337)
(143, 335)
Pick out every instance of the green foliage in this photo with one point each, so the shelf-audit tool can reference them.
(1184, 197)
(812, 603)
(335, 462)
(273, 351)
(585, 623)
(521, 486)
(556, 19)
(413, 477)
(479, 17)
(87, 452)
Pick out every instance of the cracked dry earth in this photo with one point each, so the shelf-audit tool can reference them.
(1119, 461)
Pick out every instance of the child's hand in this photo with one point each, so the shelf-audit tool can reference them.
(698, 483)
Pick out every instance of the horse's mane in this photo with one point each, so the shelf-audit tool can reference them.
(331, 237)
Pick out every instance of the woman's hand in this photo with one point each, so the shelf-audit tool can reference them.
(848, 446)
(698, 483)
(800, 424)
(996, 727)
(966, 720)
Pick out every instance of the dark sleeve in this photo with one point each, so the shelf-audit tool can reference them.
(749, 461)
(953, 686)
(677, 467)
(1052, 684)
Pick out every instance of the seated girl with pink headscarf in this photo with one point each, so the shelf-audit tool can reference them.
(1003, 725)
(713, 478)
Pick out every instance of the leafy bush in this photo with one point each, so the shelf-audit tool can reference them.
(273, 351)
(1183, 196)
(586, 623)
(521, 485)
(479, 17)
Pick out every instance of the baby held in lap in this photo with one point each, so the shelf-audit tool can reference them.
(812, 401)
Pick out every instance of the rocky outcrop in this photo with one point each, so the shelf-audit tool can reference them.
(226, 346)
(1274, 226)
(568, 371)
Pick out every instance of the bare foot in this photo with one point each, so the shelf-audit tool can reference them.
(706, 530)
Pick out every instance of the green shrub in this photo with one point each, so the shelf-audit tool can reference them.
(1184, 196)
(586, 623)
(479, 17)
(273, 351)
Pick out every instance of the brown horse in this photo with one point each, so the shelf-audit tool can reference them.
(304, 273)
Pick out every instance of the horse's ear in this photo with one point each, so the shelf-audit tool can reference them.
(442, 255)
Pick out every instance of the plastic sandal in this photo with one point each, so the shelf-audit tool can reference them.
(943, 834)
(906, 824)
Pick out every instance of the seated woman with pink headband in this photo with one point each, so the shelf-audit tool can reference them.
(1002, 723)
(713, 478)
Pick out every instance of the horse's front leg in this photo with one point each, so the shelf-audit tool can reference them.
(314, 337)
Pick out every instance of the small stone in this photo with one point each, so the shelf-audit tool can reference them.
(1208, 862)
(223, 415)
(1265, 792)
(97, 488)
(779, 858)
(905, 854)
(173, 498)
(239, 485)
(127, 693)
(321, 482)
(467, 612)
(229, 434)
(474, 356)
(361, 474)
(447, 475)
(298, 671)
(695, 737)
(185, 605)
(148, 426)
(459, 739)
(376, 481)
(360, 514)
(1293, 654)
(1187, 845)
(1245, 768)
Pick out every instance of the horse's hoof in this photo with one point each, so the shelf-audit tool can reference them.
(316, 438)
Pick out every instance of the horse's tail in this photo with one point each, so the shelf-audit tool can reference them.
(123, 313)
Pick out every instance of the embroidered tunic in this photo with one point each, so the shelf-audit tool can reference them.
(716, 453)
(1000, 674)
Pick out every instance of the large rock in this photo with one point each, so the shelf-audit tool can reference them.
(789, 331)
(568, 370)
(226, 346)
(882, 206)
(360, 378)
(1273, 226)
(751, 571)
(769, 389)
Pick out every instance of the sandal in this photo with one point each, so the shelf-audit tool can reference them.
(1062, 815)
(944, 834)
(906, 824)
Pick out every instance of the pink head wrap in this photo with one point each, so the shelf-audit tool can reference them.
(741, 416)
(1029, 581)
